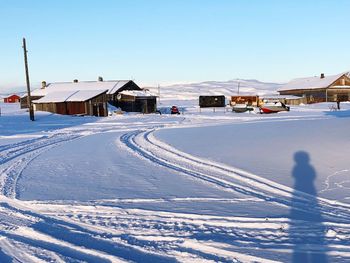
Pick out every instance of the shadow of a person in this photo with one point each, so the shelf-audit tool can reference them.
(306, 232)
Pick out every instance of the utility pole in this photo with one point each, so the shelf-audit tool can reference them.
(158, 93)
(29, 99)
(238, 85)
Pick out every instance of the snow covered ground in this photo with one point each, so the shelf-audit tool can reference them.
(202, 186)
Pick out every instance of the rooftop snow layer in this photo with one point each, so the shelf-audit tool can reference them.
(67, 95)
(84, 95)
(36, 93)
(111, 86)
(311, 82)
(137, 93)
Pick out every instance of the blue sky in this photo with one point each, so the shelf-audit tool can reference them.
(167, 41)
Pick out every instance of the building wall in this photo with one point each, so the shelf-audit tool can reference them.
(334, 94)
(112, 98)
(12, 99)
(295, 101)
(212, 101)
(23, 101)
(343, 81)
(321, 95)
(309, 95)
(249, 100)
(137, 104)
(95, 107)
(50, 107)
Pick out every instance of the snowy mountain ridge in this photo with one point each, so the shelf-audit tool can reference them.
(228, 88)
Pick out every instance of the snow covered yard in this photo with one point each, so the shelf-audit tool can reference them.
(203, 186)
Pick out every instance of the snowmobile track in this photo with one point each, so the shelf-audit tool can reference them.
(14, 159)
(145, 145)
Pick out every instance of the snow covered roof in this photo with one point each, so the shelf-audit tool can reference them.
(117, 86)
(137, 93)
(59, 96)
(112, 86)
(36, 93)
(84, 95)
(70, 96)
(312, 82)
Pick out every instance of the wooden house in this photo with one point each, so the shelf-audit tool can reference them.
(12, 99)
(113, 87)
(137, 101)
(80, 102)
(319, 89)
(212, 101)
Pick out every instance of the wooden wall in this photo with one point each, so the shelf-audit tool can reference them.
(320, 95)
(137, 104)
(249, 100)
(96, 106)
(343, 81)
(23, 101)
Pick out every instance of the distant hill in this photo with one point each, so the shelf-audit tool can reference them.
(228, 88)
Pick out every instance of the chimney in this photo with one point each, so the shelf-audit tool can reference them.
(322, 75)
(43, 84)
(100, 78)
(75, 81)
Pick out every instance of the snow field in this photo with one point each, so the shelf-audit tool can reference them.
(178, 204)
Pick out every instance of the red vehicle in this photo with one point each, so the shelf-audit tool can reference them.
(174, 110)
(273, 107)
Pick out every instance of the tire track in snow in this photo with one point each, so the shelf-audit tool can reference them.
(135, 230)
(228, 178)
(263, 183)
(167, 232)
(14, 160)
(67, 238)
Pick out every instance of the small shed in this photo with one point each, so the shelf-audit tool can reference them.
(250, 100)
(137, 101)
(212, 101)
(12, 99)
(81, 102)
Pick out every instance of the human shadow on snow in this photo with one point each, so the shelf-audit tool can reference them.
(307, 231)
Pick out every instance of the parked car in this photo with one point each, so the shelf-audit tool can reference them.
(174, 110)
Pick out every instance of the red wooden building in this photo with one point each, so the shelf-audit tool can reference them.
(12, 99)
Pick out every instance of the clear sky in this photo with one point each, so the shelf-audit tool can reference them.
(167, 41)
